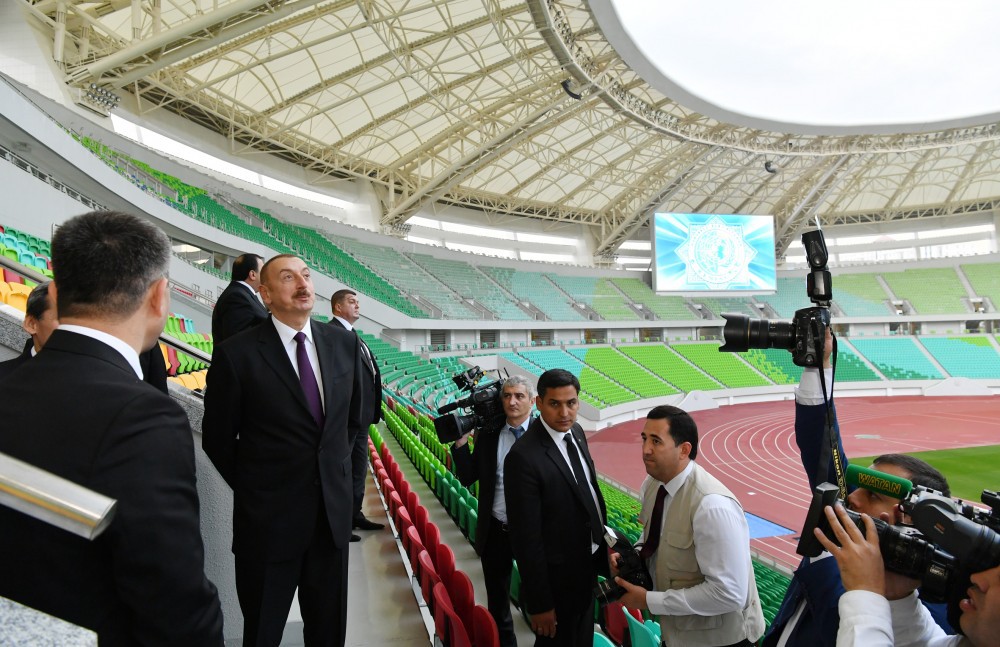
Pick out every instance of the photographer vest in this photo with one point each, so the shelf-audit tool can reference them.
(676, 567)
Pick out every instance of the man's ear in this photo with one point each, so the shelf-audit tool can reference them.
(158, 298)
(265, 295)
(30, 325)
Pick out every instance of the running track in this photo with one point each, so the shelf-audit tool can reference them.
(751, 448)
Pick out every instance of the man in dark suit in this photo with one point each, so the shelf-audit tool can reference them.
(556, 516)
(238, 307)
(281, 398)
(40, 320)
(346, 311)
(486, 466)
(81, 410)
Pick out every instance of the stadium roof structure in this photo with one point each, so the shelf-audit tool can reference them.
(512, 107)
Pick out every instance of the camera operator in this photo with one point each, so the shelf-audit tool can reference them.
(486, 466)
(869, 619)
(696, 542)
(808, 614)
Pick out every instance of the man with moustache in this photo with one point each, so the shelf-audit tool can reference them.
(281, 399)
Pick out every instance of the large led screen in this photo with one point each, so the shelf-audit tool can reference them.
(713, 253)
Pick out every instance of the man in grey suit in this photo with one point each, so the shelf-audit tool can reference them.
(281, 399)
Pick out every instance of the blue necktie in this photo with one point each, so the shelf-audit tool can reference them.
(310, 388)
(517, 431)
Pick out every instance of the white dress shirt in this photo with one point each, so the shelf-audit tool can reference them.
(123, 349)
(287, 335)
(722, 548)
(504, 443)
(869, 620)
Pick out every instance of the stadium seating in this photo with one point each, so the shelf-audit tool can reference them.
(663, 307)
(727, 368)
(861, 295)
(897, 358)
(669, 366)
(538, 290)
(929, 290)
(972, 356)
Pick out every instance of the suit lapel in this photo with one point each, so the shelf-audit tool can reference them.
(276, 357)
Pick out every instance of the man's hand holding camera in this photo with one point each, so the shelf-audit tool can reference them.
(634, 596)
(858, 556)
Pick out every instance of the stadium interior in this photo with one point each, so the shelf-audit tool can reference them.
(483, 175)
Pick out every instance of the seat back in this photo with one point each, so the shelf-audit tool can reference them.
(445, 561)
(484, 628)
(463, 596)
(428, 578)
(638, 631)
(447, 625)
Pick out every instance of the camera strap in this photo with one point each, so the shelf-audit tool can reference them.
(829, 445)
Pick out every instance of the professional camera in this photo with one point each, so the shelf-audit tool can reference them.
(484, 403)
(804, 335)
(631, 568)
(946, 543)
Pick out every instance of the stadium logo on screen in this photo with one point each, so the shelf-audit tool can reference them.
(714, 253)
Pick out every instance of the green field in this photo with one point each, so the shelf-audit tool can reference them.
(969, 470)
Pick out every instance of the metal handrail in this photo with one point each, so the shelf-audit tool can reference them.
(33, 274)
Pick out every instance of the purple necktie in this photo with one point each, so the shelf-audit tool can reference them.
(308, 380)
(653, 536)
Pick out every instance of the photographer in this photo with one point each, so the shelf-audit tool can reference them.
(869, 619)
(696, 543)
(808, 614)
(486, 466)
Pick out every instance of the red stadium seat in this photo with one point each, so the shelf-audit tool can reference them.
(613, 623)
(484, 628)
(412, 501)
(463, 597)
(432, 539)
(447, 625)
(413, 546)
(428, 578)
(445, 561)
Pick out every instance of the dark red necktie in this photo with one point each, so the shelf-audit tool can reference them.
(308, 380)
(656, 519)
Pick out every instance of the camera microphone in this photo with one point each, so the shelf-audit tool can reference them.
(878, 482)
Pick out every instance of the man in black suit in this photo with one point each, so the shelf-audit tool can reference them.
(238, 307)
(81, 410)
(40, 320)
(556, 517)
(486, 466)
(347, 310)
(281, 399)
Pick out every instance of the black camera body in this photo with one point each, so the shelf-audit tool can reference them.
(484, 404)
(631, 568)
(946, 543)
(804, 335)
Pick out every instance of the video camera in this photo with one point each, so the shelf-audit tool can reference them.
(631, 568)
(947, 542)
(804, 335)
(484, 403)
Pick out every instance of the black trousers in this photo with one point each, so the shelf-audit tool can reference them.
(359, 471)
(266, 589)
(498, 562)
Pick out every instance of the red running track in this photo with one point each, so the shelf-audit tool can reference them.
(751, 448)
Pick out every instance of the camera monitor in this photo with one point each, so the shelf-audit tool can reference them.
(713, 254)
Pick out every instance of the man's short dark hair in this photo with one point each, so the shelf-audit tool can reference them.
(38, 301)
(340, 296)
(680, 424)
(105, 262)
(244, 264)
(555, 378)
(921, 473)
